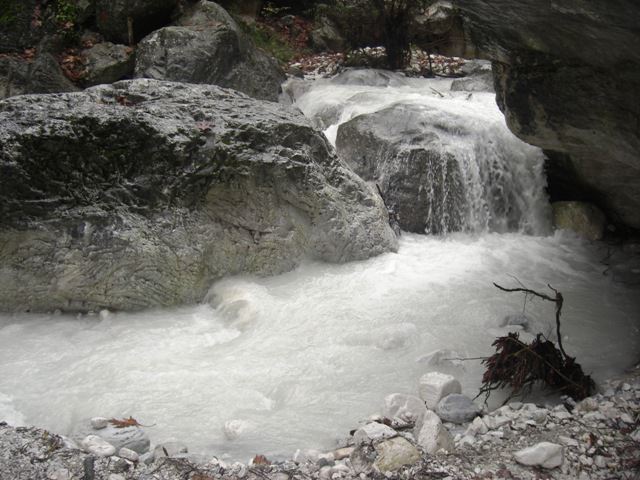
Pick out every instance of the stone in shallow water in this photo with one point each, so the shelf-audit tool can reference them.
(133, 438)
(543, 454)
(457, 408)
(98, 423)
(434, 386)
(169, 449)
(373, 432)
(406, 408)
(395, 453)
(97, 446)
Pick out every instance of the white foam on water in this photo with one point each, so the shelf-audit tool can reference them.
(294, 361)
(301, 357)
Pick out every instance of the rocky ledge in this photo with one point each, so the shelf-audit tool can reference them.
(142, 193)
(437, 434)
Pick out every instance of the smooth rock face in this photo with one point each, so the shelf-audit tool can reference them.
(133, 438)
(372, 433)
(434, 386)
(431, 435)
(207, 46)
(389, 148)
(406, 408)
(543, 454)
(582, 218)
(107, 63)
(98, 423)
(567, 79)
(141, 193)
(40, 75)
(128, 454)
(395, 453)
(97, 446)
(457, 408)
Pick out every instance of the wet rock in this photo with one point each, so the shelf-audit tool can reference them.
(207, 46)
(394, 454)
(107, 63)
(113, 17)
(234, 428)
(482, 82)
(40, 75)
(204, 182)
(97, 446)
(567, 81)
(543, 454)
(385, 147)
(406, 408)
(477, 427)
(582, 218)
(326, 36)
(372, 433)
(169, 449)
(434, 386)
(444, 361)
(129, 454)
(457, 408)
(342, 453)
(431, 435)
(134, 438)
(99, 423)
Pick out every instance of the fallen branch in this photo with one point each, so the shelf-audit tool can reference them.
(518, 365)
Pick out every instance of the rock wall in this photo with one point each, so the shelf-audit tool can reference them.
(141, 193)
(567, 77)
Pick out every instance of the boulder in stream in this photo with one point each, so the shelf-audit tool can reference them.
(208, 46)
(142, 193)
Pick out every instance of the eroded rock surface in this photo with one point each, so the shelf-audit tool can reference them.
(567, 76)
(141, 193)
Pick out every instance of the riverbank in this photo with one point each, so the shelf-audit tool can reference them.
(598, 438)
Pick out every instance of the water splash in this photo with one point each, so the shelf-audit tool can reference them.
(445, 159)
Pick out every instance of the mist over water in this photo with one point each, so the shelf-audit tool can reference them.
(298, 359)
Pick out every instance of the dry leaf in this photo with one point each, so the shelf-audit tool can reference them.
(260, 460)
(125, 422)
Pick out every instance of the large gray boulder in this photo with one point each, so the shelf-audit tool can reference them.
(418, 180)
(567, 80)
(141, 193)
(208, 46)
(439, 174)
(107, 63)
(19, 76)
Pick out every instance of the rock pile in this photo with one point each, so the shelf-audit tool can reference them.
(598, 438)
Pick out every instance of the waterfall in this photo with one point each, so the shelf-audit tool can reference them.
(443, 157)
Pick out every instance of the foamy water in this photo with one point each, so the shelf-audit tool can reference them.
(298, 359)
(301, 357)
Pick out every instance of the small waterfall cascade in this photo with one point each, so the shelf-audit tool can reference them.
(442, 156)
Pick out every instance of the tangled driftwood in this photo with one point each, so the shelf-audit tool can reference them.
(518, 365)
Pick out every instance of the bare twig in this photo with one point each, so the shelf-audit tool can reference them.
(558, 300)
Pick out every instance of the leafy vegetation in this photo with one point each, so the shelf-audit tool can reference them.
(267, 39)
(10, 11)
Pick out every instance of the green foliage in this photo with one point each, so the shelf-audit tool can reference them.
(268, 40)
(66, 18)
(65, 12)
(10, 11)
